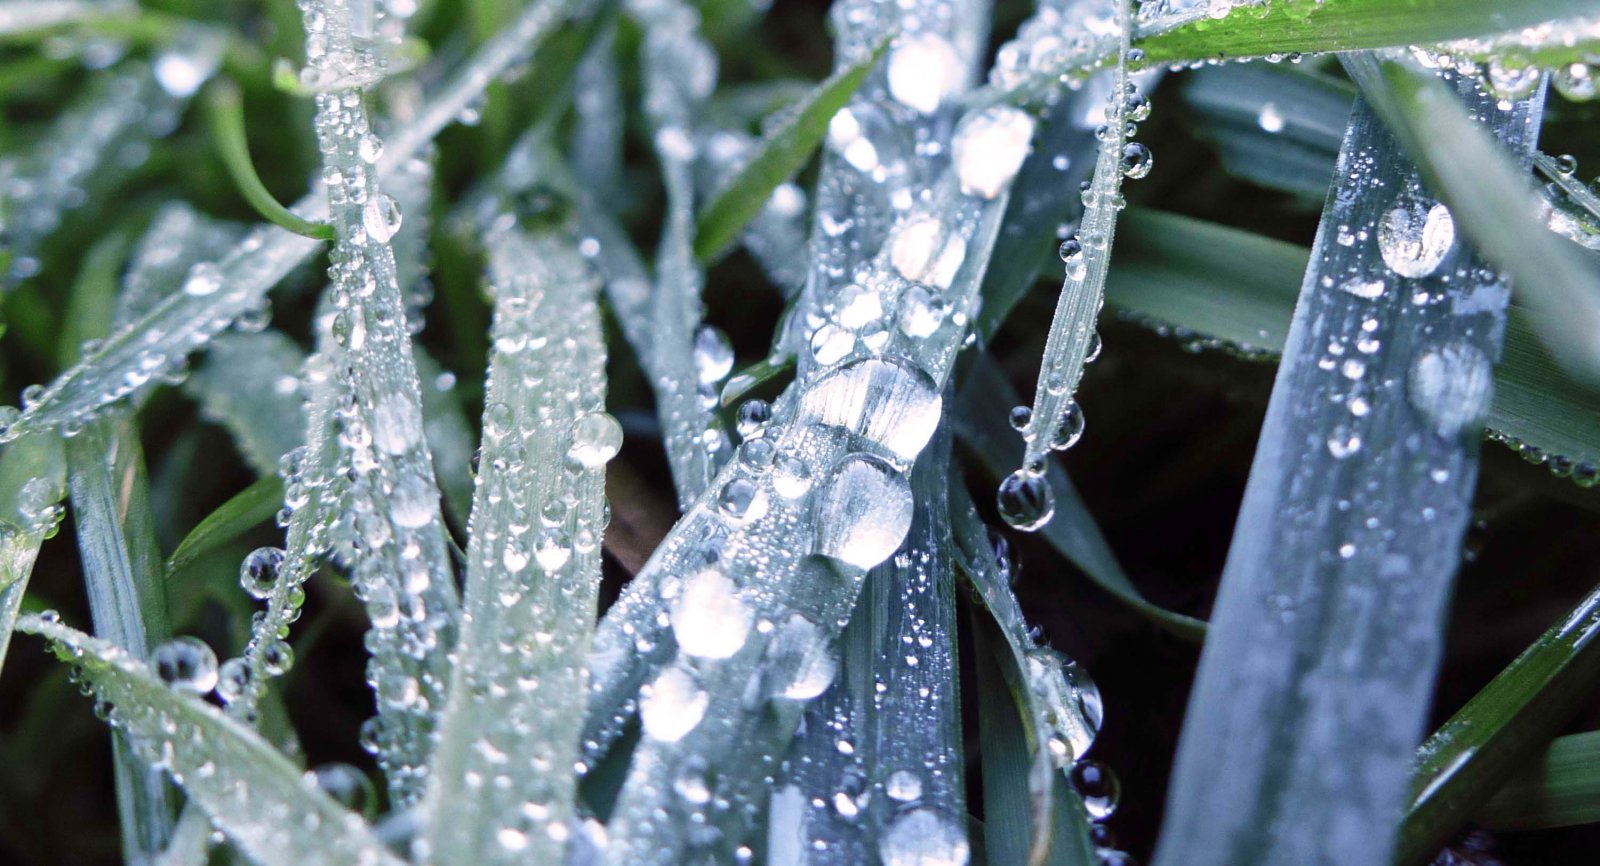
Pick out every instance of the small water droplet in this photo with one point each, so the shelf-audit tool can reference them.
(1025, 500)
(381, 217)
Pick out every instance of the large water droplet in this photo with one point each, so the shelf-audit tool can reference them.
(989, 148)
(923, 70)
(709, 619)
(672, 705)
(1025, 500)
(186, 664)
(1414, 236)
(381, 217)
(259, 571)
(713, 354)
(800, 665)
(596, 438)
(924, 837)
(1451, 385)
(864, 512)
(885, 402)
(924, 251)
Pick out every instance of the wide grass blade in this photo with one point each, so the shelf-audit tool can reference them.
(519, 683)
(879, 760)
(1462, 766)
(1561, 789)
(1313, 685)
(250, 791)
(784, 148)
(1224, 288)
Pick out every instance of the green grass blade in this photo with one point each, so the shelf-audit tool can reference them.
(1560, 790)
(251, 792)
(32, 484)
(1493, 205)
(1029, 710)
(246, 510)
(225, 116)
(1475, 753)
(521, 582)
(1285, 27)
(982, 406)
(784, 148)
(1328, 627)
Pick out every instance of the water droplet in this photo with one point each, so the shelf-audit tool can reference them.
(713, 354)
(370, 148)
(552, 549)
(791, 478)
(923, 70)
(347, 785)
(753, 417)
(596, 438)
(924, 837)
(1414, 236)
(1137, 160)
(800, 665)
(672, 705)
(381, 217)
(186, 664)
(709, 619)
(233, 679)
(1098, 787)
(1070, 430)
(864, 512)
(738, 499)
(259, 571)
(1451, 385)
(1071, 252)
(1025, 500)
(1021, 417)
(988, 149)
(886, 402)
(1270, 118)
(204, 279)
(921, 312)
(903, 786)
(924, 251)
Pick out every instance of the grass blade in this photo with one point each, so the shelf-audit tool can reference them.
(1462, 766)
(1231, 288)
(1327, 629)
(1561, 790)
(1272, 126)
(250, 791)
(880, 751)
(522, 582)
(784, 148)
(400, 562)
(247, 509)
(225, 114)
(32, 484)
(1029, 707)
(250, 384)
(1493, 205)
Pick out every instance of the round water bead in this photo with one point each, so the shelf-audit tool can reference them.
(672, 705)
(1025, 500)
(1137, 160)
(1098, 787)
(1415, 236)
(1070, 430)
(186, 664)
(753, 417)
(259, 571)
(596, 438)
(713, 354)
(924, 837)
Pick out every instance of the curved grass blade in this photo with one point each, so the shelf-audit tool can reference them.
(395, 535)
(1462, 766)
(1493, 205)
(524, 582)
(1229, 288)
(1031, 710)
(982, 405)
(1560, 790)
(784, 148)
(218, 293)
(225, 115)
(32, 484)
(878, 760)
(250, 791)
(1327, 629)
(246, 510)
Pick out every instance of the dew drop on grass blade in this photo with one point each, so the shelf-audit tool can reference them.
(877, 766)
(251, 791)
(533, 566)
(1327, 628)
(32, 485)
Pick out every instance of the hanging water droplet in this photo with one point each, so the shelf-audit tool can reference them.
(1451, 386)
(259, 571)
(1070, 429)
(713, 354)
(1098, 787)
(924, 837)
(672, 705)
(1025, 500)
(370, 148)
(1136, 160)
(1021, 417)
(709, 619)
(1071, 252)
(864, 512)
(276, 658)
(1414, 236)
(381, 217)
(186, 664)
(234, 679)
(596, 439)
